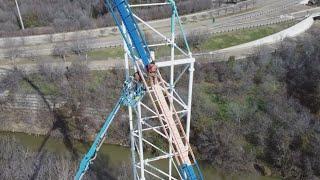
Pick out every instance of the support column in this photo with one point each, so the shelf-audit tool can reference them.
(191, 70)
(131, 127)
(132, 138)
(141, 155)
(171, 85)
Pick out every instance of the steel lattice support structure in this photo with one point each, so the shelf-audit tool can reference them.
(159, 141)
(152, 150)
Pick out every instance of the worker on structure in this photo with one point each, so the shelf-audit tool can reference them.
(138, 86)
(137, 77)
(152, 73)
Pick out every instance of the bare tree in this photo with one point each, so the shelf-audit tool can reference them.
(13, 51)
(80, 44)
(61, 50)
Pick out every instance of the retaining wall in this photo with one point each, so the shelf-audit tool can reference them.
(293, 31)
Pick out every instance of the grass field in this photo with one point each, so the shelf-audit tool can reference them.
(225, 40)
(102, 54)
(211, 43)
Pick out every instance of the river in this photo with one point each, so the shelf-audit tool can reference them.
(116, 154)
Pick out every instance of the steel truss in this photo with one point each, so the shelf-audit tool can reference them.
(152, 151)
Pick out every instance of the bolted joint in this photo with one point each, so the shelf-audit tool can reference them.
(191, 69)
(171, 86)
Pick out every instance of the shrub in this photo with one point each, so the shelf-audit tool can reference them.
(31, 20)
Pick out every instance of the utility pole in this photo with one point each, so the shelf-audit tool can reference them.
(19, 14)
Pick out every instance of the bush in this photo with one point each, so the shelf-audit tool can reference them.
(31, 20)
(267, 107)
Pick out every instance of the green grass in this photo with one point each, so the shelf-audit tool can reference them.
(31, 20)
(221, 41)
(46, 87)
(211, 43)
(106, 53)
(99, 77)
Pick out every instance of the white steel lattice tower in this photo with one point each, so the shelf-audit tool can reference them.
(153, 153)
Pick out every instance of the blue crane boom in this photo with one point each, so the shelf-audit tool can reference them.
(133, 92)
(92, 153)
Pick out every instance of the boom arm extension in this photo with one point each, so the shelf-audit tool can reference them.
(92, 153)
(131, 93)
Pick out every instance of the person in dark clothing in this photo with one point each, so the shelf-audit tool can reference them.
(152, 72)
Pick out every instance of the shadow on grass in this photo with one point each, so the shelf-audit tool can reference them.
(100, 169)
(58, 124)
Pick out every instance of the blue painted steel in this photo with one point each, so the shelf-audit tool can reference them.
(91, 154)
(133, 31)
(131, 93)
(188, 173)
(198, 171)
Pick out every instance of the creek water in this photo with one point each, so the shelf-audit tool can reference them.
(116, 155)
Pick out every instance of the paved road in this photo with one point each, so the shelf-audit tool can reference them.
(264, 13)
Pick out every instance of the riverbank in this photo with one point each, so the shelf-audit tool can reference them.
(114, 156)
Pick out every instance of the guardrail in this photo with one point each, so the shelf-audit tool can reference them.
(94, 39)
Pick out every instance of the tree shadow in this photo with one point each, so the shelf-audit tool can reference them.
(59, 123)
(102, 168)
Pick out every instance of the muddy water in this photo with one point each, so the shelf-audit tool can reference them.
(116, 155)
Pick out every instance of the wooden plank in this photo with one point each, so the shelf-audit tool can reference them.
(181, 148)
